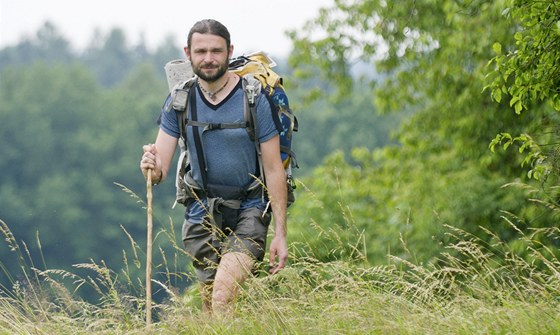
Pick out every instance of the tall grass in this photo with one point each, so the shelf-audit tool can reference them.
(474, 288)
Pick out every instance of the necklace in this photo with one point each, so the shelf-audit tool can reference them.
(212, 95)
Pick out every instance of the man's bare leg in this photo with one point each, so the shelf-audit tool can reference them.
(233, 270)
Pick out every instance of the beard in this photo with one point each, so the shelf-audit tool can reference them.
(219, 70)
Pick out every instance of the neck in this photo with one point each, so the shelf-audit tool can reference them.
(217, 89)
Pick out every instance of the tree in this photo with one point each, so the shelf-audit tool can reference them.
(109, 58)
(433, 56)
(48, 45)
(526, 74)
(325, 127)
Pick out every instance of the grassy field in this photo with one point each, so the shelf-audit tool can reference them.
(475, 288)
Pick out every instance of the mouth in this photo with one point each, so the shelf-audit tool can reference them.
(209, 67)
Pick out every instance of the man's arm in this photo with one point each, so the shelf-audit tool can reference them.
(158, 156)
(277, 193)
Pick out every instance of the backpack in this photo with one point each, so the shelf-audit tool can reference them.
(256, 73)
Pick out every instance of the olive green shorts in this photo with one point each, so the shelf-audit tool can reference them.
(205, 242)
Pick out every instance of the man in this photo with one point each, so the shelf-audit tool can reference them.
(224, 250)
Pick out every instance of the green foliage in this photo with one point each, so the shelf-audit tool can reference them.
(526, 73)
(399, 209)
(71, 138)
(534, 157)
(68, 140)
(432, 58)
(326, 127)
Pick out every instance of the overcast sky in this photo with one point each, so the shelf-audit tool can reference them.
(254, 25)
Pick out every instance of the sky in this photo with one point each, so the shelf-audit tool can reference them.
(254, 25)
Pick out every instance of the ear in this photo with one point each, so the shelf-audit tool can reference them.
(187, 53)
(230, 50)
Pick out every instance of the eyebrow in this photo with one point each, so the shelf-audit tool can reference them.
(219, 49)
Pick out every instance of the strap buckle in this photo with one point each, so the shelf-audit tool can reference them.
(212, 126)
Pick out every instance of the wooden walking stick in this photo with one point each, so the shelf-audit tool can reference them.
(149, 251)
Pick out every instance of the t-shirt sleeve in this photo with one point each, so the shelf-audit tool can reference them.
(167, 120)
(267, 119)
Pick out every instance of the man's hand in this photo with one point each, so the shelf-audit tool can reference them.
(151, 161)
(278, 248)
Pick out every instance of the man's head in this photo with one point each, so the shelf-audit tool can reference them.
(209, 48)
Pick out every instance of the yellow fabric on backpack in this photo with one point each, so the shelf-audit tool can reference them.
(259, 68)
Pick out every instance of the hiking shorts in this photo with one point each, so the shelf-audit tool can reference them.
(205, 242)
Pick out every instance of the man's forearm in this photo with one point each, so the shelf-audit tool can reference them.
(278, 196)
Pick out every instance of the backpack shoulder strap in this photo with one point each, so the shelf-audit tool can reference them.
(198, 141)
(180, 93)
(179, 102)
(252, 88)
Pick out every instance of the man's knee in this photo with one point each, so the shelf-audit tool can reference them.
(233, 269)
(235, 265)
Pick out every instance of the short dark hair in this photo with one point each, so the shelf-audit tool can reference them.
(209, 26)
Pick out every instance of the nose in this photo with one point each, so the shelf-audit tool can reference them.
(208, 58)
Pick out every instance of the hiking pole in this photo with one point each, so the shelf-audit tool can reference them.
(149, 251)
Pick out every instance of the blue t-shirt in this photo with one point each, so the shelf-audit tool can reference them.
(230, 154)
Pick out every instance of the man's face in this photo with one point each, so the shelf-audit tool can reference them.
(209, 56)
